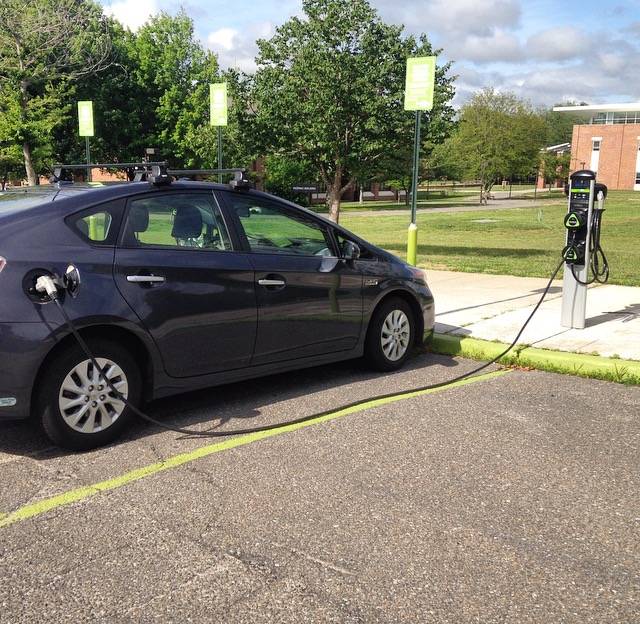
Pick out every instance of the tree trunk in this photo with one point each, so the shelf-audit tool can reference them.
(334, 195)
(333, 201)
(28, 164)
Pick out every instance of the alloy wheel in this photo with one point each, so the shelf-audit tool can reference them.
(395, 335)
(86, 403)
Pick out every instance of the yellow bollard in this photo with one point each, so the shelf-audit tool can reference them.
(412, 244)
(93, 228)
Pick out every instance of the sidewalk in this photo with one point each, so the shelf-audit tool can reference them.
(494, 307)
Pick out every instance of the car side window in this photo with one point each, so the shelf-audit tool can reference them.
(95, 226)
(183, 220)
(99, 224)
(272, 229)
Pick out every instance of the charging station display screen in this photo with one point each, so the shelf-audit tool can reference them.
(580, 189)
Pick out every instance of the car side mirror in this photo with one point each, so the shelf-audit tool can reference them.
(350, 251)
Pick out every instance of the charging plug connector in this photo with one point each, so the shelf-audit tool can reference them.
(47, 285)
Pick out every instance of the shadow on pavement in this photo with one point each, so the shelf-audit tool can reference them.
(630, 313)
(538, 291)
(240, 402)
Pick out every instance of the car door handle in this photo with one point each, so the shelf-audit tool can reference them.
(271, 282)
(144, 279)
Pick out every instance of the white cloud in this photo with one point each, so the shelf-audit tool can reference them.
(475, 17)
(499, 46)
(559, 44)
(132, 13)
(237, 48)
(223, 38)
(469, 17)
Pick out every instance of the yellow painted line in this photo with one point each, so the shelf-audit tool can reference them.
(66, 498)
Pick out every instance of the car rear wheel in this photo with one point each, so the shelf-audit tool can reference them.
(390, 336)
(77, 408)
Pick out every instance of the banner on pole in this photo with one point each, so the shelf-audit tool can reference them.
(218, 104)
(420, 82)
(85, 118)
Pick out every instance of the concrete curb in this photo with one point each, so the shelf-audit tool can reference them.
(592, 366)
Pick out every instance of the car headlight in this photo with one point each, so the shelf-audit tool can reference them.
(420, 275)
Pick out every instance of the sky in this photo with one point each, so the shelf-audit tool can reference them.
(543, 50)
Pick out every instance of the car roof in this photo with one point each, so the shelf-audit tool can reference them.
(70, 198)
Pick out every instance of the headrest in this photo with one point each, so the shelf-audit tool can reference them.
(139, 218)
(187, 222)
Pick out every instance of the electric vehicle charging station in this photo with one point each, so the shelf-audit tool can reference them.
(582, 251)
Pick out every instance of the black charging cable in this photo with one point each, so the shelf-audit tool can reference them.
(598, 263)
(217, 434)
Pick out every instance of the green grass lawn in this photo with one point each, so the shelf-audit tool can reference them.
(524, 241)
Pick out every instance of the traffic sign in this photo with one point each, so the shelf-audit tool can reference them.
(85, 118)
(218, 104)
(420, 81)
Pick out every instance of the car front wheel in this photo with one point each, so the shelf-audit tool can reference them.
(390, 336)
(78, 410)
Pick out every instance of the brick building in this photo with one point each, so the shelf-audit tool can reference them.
(608, 142)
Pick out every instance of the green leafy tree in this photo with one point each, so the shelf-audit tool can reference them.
(283, 172)
(11, 164)
(329, 90)
(171, 71)
(238, 144)
(45, 46)
(499, 136)
(554, 166)
(560, 125)
(117, 102)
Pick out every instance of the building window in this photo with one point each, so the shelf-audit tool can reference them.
(596, 145)
(622, 117)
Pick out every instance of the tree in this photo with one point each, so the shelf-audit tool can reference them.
(499, 136)
(560, 125)
(283, 172)
(554, 166)
(46, 45)
(239, 147)
(329, 90)
(10, 164)
(173, 70)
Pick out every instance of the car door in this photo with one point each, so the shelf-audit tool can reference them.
(177, 268)
(309, 301)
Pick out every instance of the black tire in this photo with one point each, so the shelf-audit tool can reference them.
(47, 398)
(374, 354)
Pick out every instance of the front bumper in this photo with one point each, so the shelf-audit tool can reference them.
(23, 347)
(429, 320)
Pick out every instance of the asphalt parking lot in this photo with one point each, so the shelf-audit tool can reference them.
(514, 498)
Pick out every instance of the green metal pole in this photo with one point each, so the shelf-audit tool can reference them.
(87, 148)
(220, 153)
(412, 238)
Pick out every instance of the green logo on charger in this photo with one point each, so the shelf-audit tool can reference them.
(571, 254)
(572, 221)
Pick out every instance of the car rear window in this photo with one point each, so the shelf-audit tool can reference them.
(11, 201)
